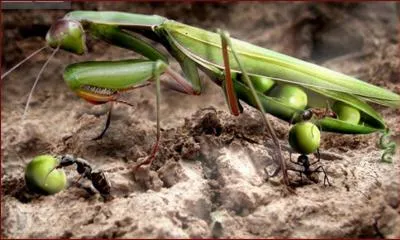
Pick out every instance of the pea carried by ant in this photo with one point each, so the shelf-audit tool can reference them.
(306, 128)
(98, 178)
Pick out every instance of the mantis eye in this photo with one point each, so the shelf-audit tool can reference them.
(68, 35)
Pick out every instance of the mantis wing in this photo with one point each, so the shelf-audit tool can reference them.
(204, 47)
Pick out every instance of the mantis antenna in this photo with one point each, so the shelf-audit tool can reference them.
(20, 63)
(37, 80)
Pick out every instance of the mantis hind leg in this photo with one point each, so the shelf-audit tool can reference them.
(226, 42)
(227, 85)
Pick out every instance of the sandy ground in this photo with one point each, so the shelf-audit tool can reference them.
(208, 179)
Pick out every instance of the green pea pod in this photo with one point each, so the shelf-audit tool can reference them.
(371, 121)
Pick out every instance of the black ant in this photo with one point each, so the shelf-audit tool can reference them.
(319, 113)
(304, 162)
(98, 178)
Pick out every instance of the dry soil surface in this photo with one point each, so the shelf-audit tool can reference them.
(208, 179)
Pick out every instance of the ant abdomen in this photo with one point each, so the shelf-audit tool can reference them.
(101, 183)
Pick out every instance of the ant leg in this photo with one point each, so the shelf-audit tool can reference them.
(78, 180)
(301, 176)
(318, 156)
(326, 179)
(85, 174)
(295, 115)
(300, 173)
(290, 158)
(327, 108)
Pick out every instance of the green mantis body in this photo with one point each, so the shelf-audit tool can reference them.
(195, 48)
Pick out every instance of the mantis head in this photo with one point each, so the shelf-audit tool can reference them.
(68, 35)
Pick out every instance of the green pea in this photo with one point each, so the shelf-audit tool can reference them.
(262, 84)
(346, 113)
(38, 179)
(304, 137)
(291, 95)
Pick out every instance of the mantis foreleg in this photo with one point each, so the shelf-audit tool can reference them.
(108, 121)
(121, 38)
(188, 90)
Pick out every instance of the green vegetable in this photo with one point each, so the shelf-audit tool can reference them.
(38, 179)
(346, 113)
(262, 84)
(291, 95)
(304, 137)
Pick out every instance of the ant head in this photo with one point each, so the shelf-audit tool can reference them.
(306, 115)
(66, 160)
(68, 35)
(302, 159)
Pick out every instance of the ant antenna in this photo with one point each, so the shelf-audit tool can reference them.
(37, 80)
(20, 63)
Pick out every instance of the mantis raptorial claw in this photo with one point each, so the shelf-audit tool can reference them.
(108, 121)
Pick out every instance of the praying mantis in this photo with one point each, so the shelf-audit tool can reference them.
(244, 71)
